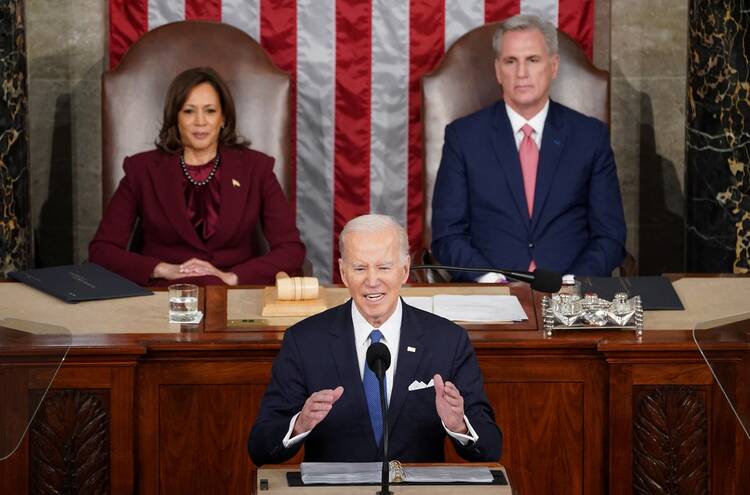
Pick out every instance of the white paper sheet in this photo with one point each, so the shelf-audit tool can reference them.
(479, 308)
(422, 302)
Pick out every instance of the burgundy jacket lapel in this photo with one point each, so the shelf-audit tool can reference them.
(235, 179)
(167, 179)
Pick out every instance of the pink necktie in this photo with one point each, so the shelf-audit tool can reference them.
(528, 153)
(529, 156)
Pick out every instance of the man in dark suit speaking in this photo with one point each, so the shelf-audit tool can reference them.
(321, 393)
(528, 181)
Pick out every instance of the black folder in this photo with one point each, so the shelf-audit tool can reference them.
(76, 283)
(656, 292)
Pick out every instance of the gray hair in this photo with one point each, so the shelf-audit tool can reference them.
(526, 22)
(376, 223)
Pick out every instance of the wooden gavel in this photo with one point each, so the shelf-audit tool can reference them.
(296, 288)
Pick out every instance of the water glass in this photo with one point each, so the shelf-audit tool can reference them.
(183, 302)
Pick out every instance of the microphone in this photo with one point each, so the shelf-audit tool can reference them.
(541, 280)
(379, 360)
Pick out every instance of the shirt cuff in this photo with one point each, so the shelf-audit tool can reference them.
(492, 278)
(288, 442)
(463, 438)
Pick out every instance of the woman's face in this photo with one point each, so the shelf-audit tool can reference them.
(200, 120)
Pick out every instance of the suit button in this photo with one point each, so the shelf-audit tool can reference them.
(531, 244)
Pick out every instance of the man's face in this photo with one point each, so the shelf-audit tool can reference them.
(372, 269)
(525, 70)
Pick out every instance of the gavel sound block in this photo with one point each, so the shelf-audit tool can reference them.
(294, 296)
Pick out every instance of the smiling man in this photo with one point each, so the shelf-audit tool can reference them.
(528, 182)
(318, 396)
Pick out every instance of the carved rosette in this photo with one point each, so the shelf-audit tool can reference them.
(69, 444)
(670, 441)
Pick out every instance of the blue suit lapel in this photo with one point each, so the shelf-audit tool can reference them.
(344, 354)
(553, 141)
(408, 362)
(505, 148)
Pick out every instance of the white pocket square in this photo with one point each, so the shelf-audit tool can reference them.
(419, 385)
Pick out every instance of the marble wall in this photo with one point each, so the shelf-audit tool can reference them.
(648, 59)
(642, 42)
(718, 140)
(15, 235)
(67, 43)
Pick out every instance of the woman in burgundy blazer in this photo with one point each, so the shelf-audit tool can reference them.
(199, 198)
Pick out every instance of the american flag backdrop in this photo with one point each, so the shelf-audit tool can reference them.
(356, 67)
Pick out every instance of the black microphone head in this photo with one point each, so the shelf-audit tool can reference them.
(378, 352)
(546, 281)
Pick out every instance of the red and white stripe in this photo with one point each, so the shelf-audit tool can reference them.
(356, 67)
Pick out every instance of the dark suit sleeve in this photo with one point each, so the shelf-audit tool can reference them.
(468, 379)
(109, 246)
(284, 397)
(451, 225)
(606, 219)
(286, 251)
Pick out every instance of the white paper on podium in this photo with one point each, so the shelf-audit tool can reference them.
(422, 302)
(477, 308)
(335, 473)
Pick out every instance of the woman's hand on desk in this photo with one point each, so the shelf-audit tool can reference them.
(192, 268)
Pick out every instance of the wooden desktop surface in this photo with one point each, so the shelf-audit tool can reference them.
(580, 411)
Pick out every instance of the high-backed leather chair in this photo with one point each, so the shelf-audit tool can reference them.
(133, 96)
(465, 82)
(133, 93)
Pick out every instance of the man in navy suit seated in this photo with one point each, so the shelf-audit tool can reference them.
(528, 181)
(321, 396)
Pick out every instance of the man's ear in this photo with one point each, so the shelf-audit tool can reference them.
(341, 272)
(407, 265)
(555, 64)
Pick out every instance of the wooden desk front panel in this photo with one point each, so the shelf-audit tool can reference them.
(568, 416)
(81, 440)
(551, 410)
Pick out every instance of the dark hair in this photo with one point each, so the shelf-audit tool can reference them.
(169, 135)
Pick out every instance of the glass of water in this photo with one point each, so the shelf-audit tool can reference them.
(183, 302)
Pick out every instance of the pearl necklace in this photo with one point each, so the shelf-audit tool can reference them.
(205, 181)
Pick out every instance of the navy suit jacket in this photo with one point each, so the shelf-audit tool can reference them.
(479, 213)
(319, 353)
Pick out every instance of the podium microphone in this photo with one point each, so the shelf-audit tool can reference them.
(379, 360)
(540, 280)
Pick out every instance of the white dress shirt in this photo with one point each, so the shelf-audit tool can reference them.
(516, 123)
(536, 122)
(391, 330)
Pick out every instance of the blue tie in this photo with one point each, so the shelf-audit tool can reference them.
(372, 393)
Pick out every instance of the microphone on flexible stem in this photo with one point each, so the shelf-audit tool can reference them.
(540, 280)
(379, 360)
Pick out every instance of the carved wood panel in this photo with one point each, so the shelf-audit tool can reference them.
(670, 441)
(69, 444)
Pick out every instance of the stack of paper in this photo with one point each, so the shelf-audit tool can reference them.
(474, 308)
(448, 474)
(336, 473)
(343, 473)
